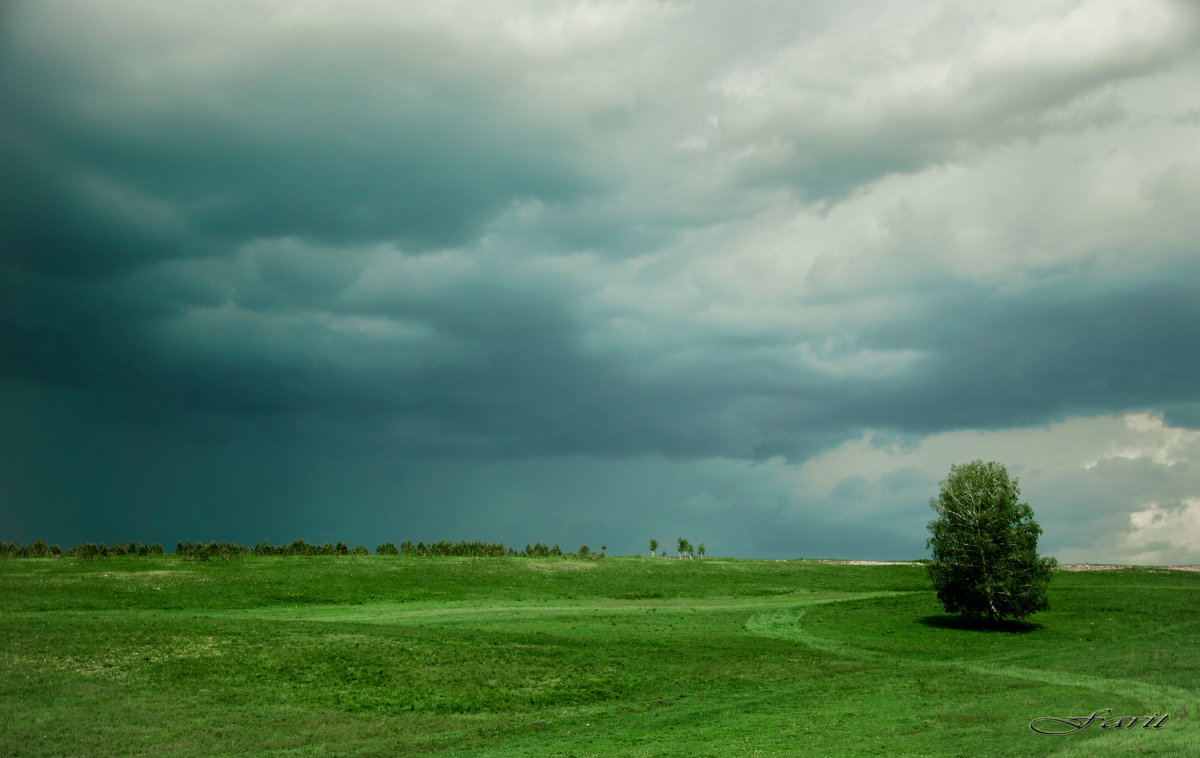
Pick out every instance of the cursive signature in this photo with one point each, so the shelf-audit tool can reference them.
(1072, 724)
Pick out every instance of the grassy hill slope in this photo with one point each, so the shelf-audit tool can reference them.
(623, 656)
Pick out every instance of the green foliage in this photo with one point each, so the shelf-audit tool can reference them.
(984, 546)
(203, 551)
(683, 546)
(89, 551)
(37, 549)
(653, 545)
(462, 549)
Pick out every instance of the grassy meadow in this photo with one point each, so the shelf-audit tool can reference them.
(387, 655)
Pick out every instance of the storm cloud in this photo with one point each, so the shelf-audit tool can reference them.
(596, 272)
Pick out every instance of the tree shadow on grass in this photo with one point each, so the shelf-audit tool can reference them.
(980, 624)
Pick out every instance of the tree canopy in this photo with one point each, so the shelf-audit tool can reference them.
(984, 546)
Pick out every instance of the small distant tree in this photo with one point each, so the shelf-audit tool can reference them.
(653, 546)
(683, 546)
(984, 546)
(700, 549)
(584, 550)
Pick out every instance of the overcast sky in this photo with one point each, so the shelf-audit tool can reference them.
(755, 274)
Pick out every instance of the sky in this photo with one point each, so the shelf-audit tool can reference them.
(753, 274)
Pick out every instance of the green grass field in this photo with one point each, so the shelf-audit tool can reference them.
(384, 655)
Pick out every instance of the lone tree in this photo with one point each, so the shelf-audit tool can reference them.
(984, 546)
(653, 546)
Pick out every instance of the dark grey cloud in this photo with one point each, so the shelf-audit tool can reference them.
(115, 163)
(388, 268)
(997, 361)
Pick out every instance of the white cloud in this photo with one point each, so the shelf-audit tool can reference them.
(1151, 439)
(1163, 536)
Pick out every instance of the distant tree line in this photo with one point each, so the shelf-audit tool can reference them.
(39, 549)
(479, 549)
(462, 548)
(203, 551)
(685, 547)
